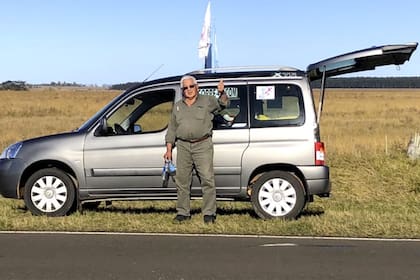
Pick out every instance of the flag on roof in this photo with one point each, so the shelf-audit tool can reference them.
(205, 41)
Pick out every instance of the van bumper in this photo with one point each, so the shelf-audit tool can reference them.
(317, 180)
(10, 172)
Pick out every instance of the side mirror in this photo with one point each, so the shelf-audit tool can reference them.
(102, 129)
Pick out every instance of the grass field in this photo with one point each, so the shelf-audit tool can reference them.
(376, 188)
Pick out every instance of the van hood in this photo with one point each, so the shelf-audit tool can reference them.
(53, 137)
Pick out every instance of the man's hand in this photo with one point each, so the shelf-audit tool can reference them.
(168, 154)
(221, 89)
(221, 86)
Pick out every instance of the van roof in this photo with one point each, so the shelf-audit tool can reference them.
(235, 72)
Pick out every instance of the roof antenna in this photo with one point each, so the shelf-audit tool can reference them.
(148, 77)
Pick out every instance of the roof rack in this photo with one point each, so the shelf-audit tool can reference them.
(274, 68)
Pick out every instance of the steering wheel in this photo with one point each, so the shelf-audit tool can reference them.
(119, 129)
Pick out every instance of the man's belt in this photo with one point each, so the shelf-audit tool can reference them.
(195, 140)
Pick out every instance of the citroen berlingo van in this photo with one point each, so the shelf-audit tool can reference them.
(267, 145)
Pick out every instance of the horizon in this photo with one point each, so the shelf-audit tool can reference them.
(315, 84)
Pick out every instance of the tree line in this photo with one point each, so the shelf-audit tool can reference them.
(370, 82)
(347, 82)
(13, 85)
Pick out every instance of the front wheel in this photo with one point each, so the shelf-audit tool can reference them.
(49, 192)
(278, 194)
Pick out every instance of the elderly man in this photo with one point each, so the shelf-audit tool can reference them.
(191, 128)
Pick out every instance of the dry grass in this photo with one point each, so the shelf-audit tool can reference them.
(376, 188)
(354, 121)
(26, 114)
(358, 121)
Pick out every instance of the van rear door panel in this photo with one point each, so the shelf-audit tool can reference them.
(230, 138)
(366, 59)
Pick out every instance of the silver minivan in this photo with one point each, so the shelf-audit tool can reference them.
(267, 144)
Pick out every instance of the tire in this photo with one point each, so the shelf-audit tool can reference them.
(278, 194)
(49, 192)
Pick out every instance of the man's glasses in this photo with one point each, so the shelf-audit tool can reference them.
(187, 87)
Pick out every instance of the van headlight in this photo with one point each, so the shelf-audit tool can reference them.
(11, 151)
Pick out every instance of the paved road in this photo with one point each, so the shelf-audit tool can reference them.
(102, 256)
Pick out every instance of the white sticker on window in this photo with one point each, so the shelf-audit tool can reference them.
(266, 93)
(232, 92)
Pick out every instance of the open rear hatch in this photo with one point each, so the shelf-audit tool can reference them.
(366, 59)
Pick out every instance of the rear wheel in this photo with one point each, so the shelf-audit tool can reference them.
(49, 192)
(278, 194)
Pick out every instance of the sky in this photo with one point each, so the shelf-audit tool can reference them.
(103, 42)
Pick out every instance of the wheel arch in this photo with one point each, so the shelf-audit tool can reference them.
(34, 167)
(256, 173)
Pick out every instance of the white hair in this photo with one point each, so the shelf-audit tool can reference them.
(188, 77)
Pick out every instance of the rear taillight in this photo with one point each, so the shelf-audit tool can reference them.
(319, 153)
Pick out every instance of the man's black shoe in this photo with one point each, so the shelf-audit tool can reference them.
(209, 219)
(181, 218)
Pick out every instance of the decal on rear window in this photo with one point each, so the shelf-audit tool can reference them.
(266, 93)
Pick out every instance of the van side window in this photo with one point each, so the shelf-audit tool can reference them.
(142, 113)
(276, 105)
(155, 119)
(235, 114)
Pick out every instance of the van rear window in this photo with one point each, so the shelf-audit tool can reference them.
(276, 105)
